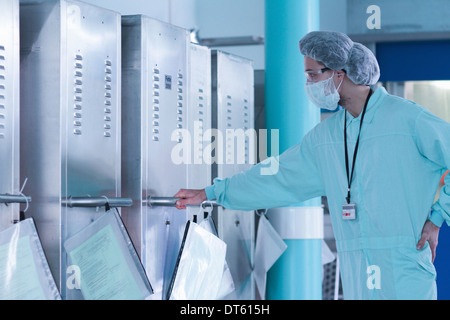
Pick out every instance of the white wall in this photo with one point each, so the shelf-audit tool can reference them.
(177, 12)
(223, 18)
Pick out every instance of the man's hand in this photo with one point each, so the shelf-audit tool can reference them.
(430, 233)
(190, 196)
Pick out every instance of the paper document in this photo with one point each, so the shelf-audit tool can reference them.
(107, 263)
(24, 272)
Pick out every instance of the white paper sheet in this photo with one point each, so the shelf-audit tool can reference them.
(24, 271)
(107, 262)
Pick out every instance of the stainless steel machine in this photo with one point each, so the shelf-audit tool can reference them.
(165, 99)
(9, 114)
(70, 120)
(233, 117)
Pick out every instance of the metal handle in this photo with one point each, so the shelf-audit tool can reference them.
(170, 202)
(13, 198)
(92, 202)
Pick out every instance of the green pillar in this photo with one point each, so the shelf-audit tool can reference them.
(298, 272)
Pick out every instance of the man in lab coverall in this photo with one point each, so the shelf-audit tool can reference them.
(378, 161)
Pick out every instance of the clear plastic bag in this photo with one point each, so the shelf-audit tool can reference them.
(108, 264)
(24, 271)
(200, 265)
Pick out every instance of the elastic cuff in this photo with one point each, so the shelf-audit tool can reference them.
(436, 218)
(210, 194)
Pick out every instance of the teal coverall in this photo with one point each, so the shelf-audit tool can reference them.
(403, 152)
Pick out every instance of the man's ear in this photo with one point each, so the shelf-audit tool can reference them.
(341, 73)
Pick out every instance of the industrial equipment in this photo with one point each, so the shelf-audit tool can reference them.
(70, 121)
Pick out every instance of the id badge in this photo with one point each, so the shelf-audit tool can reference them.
(349, 211)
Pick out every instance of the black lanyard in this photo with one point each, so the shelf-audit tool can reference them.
(349, 178)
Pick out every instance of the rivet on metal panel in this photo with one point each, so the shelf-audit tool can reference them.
(77, 123)
(106, 126)
(155, 108)
(77, 106)
(108, 62)
(155, 123)
(77, 115)
(107, 86)
(107, 102)
(107, 118)
(77, 131)
(180, 76)
(155, 116)
(156, 93)
(107, 110)
(107, 134)
(155, 85)
(78, 74)
(155, 138)
(78, 57)
(108, 79)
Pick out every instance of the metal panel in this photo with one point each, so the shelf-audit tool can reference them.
(158, 125)
(233, 110)
(70, 128)
(9, 109)
(198, 120)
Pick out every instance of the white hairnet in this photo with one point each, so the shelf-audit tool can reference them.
(337, 51)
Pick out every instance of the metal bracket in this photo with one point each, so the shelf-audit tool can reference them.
(14, 198)
(170, 202)
(92, 202)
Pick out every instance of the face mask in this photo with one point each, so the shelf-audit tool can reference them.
(323, 94)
